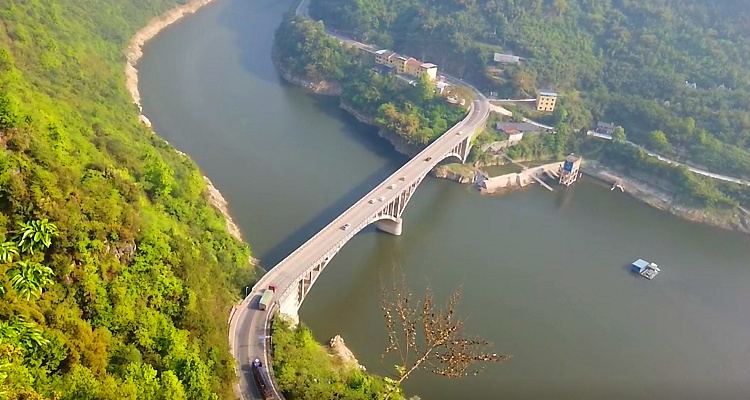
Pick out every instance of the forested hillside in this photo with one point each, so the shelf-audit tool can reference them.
(621, 61)
(413, 112)
(116, 275)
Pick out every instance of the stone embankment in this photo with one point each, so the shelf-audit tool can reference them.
(518, 180)
(133, 53)
(650, 190)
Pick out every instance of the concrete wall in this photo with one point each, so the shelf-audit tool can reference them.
(517, 180)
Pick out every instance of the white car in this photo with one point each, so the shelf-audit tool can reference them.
(372, 201)
(393, 185)
(458, 133)
(403, 178)
(346, 226)
(382, 198)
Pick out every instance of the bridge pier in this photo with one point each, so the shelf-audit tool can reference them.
(393, 227)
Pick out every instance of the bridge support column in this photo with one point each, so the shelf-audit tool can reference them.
(289, 308)
(392, 227)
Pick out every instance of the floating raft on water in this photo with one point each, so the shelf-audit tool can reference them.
(646, 269)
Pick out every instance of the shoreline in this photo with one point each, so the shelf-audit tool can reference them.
(133, 53)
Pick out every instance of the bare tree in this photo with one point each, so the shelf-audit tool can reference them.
(428, 337)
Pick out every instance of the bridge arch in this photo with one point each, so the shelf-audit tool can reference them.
(387, 218)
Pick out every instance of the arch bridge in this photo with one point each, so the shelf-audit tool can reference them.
(296, 274)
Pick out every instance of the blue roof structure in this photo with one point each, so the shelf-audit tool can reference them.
(639, 265)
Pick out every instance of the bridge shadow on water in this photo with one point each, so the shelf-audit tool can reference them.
(365, 136)
(296, 239)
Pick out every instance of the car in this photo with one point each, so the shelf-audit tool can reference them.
(403, 178)
(458, 133)
(382, 198)
(371, 201)
(391, 186)
(428, 159)
(346, 226)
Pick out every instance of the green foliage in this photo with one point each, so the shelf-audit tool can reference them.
(8, 250)
(116, 273)
(704, 191)
(35, 234)
(304, 370)
(622, 61)
(28, 278)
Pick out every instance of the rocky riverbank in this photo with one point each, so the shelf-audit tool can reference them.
(134, 52)
(338, 347)
(659, 195)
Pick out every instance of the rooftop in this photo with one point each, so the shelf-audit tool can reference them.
(572, 158)
(519, 126)
(547, 93)
(429, 65)
(413, 61)
(607, 125)
(640, 263)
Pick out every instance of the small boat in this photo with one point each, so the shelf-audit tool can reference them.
(644, 268)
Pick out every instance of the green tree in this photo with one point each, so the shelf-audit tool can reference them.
(659, 142)
(619, 135)
(35, 234)
(28, 278)
(9, 112)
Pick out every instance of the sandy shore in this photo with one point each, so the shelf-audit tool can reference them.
(134, 52)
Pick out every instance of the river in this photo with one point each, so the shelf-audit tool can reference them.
(544, 275)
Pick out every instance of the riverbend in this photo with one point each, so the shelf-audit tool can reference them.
(544, 274)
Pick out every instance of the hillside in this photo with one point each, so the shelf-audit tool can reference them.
(116, 274)
(621, 61)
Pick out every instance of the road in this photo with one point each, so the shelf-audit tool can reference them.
(693, 169)
(247, 330)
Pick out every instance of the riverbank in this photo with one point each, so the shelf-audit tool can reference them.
(133, 53)
(660, 196)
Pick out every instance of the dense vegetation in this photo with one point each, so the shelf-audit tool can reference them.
(621, 61)
(414, 112)
(116, 275)
(305, 370)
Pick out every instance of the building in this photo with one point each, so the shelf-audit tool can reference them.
(429, 69)
(516, 130)
(523, 127)
(405, 65)
(569, 171)
(546, 101)
(605, 128)
(385, 57)
(514, 135)
(506, 58)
